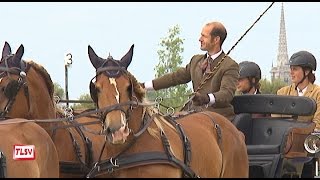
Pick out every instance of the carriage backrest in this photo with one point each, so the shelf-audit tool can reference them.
(274, 104)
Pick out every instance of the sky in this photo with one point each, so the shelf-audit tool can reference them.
(50, 30)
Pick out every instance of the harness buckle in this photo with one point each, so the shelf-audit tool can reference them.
(92, 170)
(114, 163)
(20, 80)
(6, 109)
(70, 118)
(158, 100)
(23, 74)
(68, 112)
(170, 111)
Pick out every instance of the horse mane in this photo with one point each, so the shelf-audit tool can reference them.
(137, 88)
(140, 92)
(44, 73)
(141, 95)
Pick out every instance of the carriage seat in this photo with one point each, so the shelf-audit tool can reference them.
(270, 139)
(270, 135)
(243, 121)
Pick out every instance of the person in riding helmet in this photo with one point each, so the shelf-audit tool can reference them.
(302, 64)
(250, 75)
(248, 81)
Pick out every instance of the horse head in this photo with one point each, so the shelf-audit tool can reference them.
(21, 83)
(12, 79)
(116, 90)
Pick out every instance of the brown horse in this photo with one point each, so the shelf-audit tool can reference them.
(46, 163)
(21, 132)
(28, 93)
(141, 143)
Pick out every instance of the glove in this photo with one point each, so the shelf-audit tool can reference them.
(200, 99)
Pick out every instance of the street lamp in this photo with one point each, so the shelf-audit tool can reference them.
(67, 63)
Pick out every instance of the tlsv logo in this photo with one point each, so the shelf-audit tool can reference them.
(24, 152)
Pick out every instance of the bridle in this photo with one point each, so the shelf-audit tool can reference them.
(113, 71)
(14, 86)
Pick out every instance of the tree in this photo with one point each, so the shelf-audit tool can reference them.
(58, 90)
(169, 61)
(82, 106)
(58, 94)
(271, 87)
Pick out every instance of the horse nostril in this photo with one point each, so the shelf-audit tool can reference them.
(111, 130)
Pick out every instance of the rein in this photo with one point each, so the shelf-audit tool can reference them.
(84, 114)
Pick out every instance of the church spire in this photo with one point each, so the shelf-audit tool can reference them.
(282, 59)
(282, 68)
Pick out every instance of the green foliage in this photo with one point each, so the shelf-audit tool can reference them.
(271, 87)
(170, 60)
(84, 97)
(58, 91)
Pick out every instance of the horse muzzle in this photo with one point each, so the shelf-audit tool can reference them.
(119, 136)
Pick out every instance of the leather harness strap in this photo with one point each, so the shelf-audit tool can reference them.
(3, 165)
(124, 161)
(185, 142)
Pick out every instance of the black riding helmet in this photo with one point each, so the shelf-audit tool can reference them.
(303, 59)
(249, 69)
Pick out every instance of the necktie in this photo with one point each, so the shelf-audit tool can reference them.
(208, 69)
(206, 64)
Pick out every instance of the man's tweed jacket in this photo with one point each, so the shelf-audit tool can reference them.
(222, 85)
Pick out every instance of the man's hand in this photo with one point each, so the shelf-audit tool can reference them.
(200, 99)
